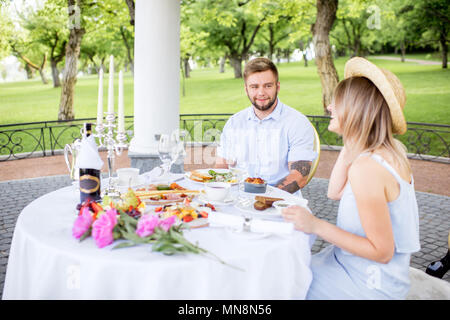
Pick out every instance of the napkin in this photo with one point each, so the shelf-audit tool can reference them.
(226, 220)
(256, 225)
(264, 226)
(155, 175)
(88, 156)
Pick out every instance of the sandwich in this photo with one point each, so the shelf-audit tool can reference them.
(200, 177)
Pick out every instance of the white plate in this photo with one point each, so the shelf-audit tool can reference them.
(139, 182)
(205, 171)
(226, 202)
(247, 206)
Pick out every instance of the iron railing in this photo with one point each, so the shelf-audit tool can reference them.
(23, 140)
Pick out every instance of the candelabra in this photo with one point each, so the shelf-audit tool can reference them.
(114, 146)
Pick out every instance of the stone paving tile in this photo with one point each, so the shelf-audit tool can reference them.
(434, 216)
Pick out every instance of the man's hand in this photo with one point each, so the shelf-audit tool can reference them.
(296, 179)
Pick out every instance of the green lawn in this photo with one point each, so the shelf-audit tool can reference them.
(208, 91)
(432, 56)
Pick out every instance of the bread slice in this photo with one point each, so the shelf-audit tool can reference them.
(258, 205)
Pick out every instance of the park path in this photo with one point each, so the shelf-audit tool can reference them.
(424, 62)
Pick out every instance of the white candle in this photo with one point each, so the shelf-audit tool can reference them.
(100, 98)
(111, 86)
(121, 114)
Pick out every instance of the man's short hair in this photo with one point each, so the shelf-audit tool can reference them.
(259, 65)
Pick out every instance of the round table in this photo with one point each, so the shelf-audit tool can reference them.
(46, 262)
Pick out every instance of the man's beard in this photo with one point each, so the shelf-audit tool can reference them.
(265, 107)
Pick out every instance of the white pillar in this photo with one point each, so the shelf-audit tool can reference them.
(156, 72)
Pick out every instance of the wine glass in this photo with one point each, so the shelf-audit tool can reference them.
(179, 138)
(165, 150)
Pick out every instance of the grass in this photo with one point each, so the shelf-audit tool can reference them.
(208, 91)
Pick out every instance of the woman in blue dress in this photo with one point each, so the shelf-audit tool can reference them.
(377, 225)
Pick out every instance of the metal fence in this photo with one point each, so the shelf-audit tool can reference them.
(23, 140)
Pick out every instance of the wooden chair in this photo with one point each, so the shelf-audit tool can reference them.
(315, 163)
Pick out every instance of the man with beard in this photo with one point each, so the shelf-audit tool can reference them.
(269, 139)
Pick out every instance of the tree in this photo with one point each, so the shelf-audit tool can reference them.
(326, 15)
(232, 27)
(433, 19)
(48, 27)
(397, 19)
(6, 30)
(29, 64)
(75, 11)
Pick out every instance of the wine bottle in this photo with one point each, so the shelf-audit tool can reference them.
(89, 177)
(87, 129)
(89, 184)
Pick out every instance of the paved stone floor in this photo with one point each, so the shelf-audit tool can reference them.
(434, 216)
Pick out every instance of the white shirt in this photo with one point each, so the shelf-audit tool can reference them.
(264, 147)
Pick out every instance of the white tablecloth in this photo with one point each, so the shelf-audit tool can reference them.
(46, 262)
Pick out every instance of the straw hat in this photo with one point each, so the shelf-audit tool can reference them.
(389, 85)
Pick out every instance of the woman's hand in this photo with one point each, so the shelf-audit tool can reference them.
(302, 219)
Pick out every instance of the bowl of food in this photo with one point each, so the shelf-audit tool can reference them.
(255, 185)
(283, 204)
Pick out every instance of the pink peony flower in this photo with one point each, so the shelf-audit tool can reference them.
(82, 223)
(146, 225)
(166, 223)
(102, 228)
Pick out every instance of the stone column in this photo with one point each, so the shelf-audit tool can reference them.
(156, 79)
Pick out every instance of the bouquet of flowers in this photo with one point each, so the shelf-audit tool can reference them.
(124, 219)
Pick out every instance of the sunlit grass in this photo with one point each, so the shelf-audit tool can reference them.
(208, 91)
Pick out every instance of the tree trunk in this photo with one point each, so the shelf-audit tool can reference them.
(41, 69)
(130, 4)
(287, 55)
(303, 50)
(222, 64)
(66, 111)
(55, 74)
(186, 67)
(402, 49)
(30, 71)
(271, 41)
(43, 77)
(130, 56)
(236, 62)
(326, 15)
(444, 47)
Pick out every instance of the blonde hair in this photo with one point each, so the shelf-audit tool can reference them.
(365, 119)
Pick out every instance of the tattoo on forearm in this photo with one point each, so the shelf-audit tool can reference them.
(291, 188)
(304, 167)
(288, 184)
(297, 178)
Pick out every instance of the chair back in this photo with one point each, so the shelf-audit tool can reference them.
(315, 163)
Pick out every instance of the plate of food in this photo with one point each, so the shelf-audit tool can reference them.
(212, 175)
(193, 214)
(268, 207)
(161, 194)
(260, 206)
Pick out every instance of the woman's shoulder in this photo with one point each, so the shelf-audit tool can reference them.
(365, 169)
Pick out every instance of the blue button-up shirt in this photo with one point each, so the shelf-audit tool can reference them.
(264, 147)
